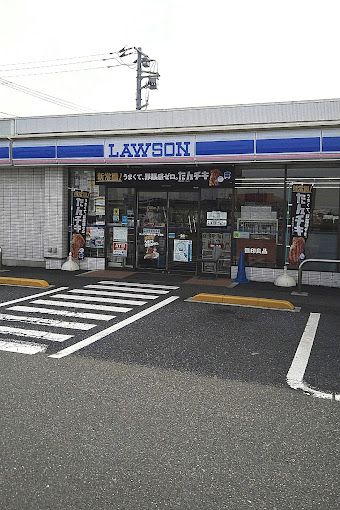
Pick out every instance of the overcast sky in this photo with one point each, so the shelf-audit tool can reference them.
(214, 52)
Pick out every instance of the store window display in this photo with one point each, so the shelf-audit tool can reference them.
(259, 227)
(323, 237)
(84, 180)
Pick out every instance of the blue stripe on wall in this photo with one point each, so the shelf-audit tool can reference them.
(4, 152)
(224, 147)
(331, 143)
(42, 152)
(80, 151)
(277, 145)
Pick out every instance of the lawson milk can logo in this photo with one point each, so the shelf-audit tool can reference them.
(159, 149)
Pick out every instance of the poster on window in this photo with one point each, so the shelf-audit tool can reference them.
(95, 237)
(80, 203)
(301, 215)
(119, 249)
(182, 250)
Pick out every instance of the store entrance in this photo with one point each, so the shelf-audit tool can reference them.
(167, 230)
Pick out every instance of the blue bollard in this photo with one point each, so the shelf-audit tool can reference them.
(241, 276)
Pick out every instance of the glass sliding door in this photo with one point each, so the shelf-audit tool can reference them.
(151, 230)
(183, 224)
(120, 227)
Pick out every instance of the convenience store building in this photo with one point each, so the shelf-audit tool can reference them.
(166, 187)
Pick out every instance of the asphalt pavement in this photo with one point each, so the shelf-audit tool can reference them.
(187, 407)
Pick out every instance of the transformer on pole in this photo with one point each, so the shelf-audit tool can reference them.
(144, 72)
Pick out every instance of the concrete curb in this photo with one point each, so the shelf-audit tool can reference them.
(277, 304)
(24, 282)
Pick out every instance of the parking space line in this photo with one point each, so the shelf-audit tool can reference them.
(298, 367)
(299, 363)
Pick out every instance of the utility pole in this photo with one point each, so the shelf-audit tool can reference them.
(139, 79)
(143, 63)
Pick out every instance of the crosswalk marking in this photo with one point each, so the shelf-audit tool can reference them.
(92, 302)
(118, 294)
(65, 313)
(111, 329)
(46, 322)
(142, 285)
(101, 300)
(129, 289)
(21, 347)
(33, 333)
(72, 304)
(27, 298)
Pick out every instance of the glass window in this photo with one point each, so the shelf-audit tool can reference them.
(260, 212)
(322, 241)
(216, 200)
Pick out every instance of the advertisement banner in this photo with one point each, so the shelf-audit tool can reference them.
(301, 214)
(80, 203)
(184, 177)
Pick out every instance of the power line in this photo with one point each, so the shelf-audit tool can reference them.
(2, 71)
(44, 97)
(55, 65)
(64, 71)
(9, 114)
(59, 59)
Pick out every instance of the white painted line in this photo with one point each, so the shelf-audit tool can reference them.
(101, 300)
(118, 294)
(33, 333)
(71, 304)
(27, 298)
(22, 347)
(64, 313)
(142, 285)
(298, 367)
(112, 329)
(299, 363)
(46, 322)
(129, 289)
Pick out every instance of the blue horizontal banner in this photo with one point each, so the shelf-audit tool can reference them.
(331, 143)
(244, 147)
(80, 151)
(224, 147)
(282, 145)
(4, 152)
(39, 152)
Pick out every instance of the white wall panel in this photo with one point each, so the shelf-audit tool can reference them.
(226, 116)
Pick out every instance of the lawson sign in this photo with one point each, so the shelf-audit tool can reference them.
(276, 145)
(149, 149)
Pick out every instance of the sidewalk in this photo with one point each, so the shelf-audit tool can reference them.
(319, 299)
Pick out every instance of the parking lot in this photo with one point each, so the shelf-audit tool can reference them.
(186, 407)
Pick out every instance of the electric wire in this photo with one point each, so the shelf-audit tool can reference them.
(5, 71)
(59, 59)
(9, 114)
(43, 96)
(54, 63)
(61, 71)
